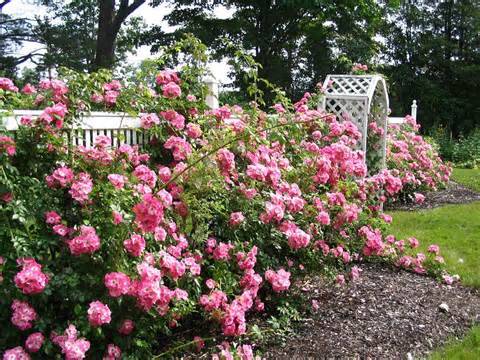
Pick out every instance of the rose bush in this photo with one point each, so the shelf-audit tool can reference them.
(108, 250)
(414, 161)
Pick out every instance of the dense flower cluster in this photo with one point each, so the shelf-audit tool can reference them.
(98, 314)
(7, 145)
(30, 280)
(72, 347)
(86, 242)
(23, 315)
(216, 215)
(415, 162)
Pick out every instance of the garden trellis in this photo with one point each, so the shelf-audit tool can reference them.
(361, 99)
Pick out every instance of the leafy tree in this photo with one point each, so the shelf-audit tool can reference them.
(88, 34)
(296, 42)
(433, 55)
(13, 31)
(110, 20)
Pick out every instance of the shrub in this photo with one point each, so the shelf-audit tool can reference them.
(466, 151)
(415, 161)
(109, 250)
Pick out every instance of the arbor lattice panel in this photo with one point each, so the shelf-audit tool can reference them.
(360, 99)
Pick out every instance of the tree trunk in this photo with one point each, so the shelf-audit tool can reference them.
(109, 24)
(105, 53)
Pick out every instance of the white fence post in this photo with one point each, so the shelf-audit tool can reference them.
(212, 96)
(414, 109)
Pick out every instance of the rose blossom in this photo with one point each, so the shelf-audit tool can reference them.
(117, 180)
(167, 76)
(113, 352)
(23, 315)
(73, 347)
(236, 218)
(117, 217)
(16, 353)
(7, 144)
(34, 342)
(171, 90)
(81, 187)
(117, 283)
(135, 245)
(434, 249)
(193, 131)
(148, 120)
(52, 218)
(98, 314)
(30, 280)
(127, 327)
(86, 243)
(149, 213)
(279, 280)
(419, 198)
(175, 119)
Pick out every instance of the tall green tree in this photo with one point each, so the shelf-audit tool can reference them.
(433, 55)
(13, 32)
(296, 42)
(110, 20)
(86, 35)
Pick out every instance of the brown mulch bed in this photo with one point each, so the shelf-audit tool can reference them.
(453, 194)
(387, 314)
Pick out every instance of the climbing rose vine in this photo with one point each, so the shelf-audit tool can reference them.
(108, 249)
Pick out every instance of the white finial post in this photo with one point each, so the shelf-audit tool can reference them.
(414, 109)
(212, 96)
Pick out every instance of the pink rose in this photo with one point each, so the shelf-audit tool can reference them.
(171, 90)
(135, 245)
(127, 327)
(34, 342)
(98, 314)
(236, 218)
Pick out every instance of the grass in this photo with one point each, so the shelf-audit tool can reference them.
(467, 349)
(456, 228)
(468, 177)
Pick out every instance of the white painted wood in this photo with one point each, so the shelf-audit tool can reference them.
(212, 96)
(414, 109)
(358, 98)
(401, 120)
(396, 120)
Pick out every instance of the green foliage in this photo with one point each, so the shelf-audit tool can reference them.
(432, 56)
(14, 31)
(466, 151)
(443, 140)
(455, 228)
(296, 42)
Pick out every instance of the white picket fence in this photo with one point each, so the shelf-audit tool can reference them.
(123, 129)
(120, 128)
(401, 120)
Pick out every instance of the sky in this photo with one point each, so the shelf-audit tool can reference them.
(151, 16)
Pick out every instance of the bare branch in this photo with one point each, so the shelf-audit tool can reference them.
(124, 11)
(3, 3)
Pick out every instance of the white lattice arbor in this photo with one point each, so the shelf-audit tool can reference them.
(360, 99)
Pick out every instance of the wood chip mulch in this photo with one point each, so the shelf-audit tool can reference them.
(387, 314)
(454, 193)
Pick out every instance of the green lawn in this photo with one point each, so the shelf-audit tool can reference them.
(468, 177)
(456, 228)
(467, 349)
